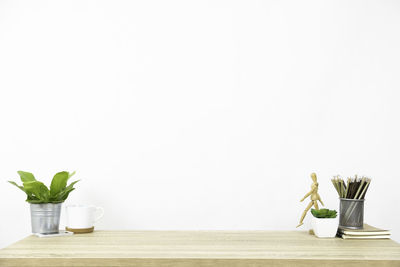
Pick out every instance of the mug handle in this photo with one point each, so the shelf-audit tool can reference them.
(101, 213)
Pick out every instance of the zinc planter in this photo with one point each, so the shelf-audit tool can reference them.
(45, 218)
(325, 227)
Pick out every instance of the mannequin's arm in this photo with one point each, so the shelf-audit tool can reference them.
(309, 193)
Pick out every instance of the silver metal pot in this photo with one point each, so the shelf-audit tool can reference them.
(45, 218)
(351, 213)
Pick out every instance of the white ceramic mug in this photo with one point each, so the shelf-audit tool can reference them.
(83, 216)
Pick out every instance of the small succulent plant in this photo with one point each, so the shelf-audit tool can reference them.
(324, 213)
(38, 193)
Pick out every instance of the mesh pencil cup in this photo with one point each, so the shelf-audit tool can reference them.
(351, 213)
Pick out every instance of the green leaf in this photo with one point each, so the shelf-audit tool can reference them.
(324, 213)
(59, 183)
(332, 214)
(60, 197)
(38, 189)
(28, 194)
(26, 176)
(72, 184)
(35, 201)
(63, 195)
(72, 174)
(66, 194)
(20, 187)
(68, 190)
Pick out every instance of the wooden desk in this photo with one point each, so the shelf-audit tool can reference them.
(198, 248)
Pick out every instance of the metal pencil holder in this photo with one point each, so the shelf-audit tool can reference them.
(351, 213)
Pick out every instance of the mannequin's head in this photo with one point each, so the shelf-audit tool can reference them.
(314, 177)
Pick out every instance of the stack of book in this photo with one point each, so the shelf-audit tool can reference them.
(368, 232)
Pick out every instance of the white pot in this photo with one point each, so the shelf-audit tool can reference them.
(325, 227)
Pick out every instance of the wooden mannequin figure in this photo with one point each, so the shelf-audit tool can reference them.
(314, 198)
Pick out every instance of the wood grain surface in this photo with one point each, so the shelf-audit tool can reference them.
(198, 248)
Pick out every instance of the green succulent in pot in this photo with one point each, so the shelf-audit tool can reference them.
(45, 203)
(324, 222)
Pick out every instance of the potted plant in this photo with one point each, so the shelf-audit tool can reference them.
(325, 222)
(45, 203)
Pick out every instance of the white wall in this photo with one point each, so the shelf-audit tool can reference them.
(200, 114)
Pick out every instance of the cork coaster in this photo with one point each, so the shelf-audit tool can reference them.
(80, 231)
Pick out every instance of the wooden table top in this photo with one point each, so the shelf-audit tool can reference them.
(198, 248)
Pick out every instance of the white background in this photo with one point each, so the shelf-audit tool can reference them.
(200, 114)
